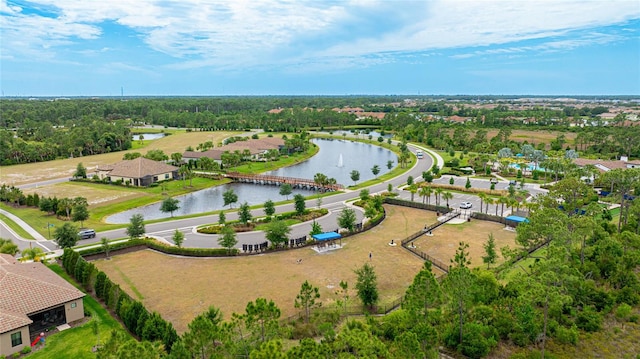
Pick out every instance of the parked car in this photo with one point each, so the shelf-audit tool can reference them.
(493, 180)
(466, 205)
(87, 233)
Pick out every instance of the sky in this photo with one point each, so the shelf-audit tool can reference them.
(297, 47)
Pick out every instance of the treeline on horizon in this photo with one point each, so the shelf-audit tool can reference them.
(35, 131)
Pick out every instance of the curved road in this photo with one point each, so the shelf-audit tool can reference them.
(164, 230)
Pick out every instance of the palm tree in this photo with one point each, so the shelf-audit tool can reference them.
(483, 197)
(423, 192)
(438, 192)
(447, 196)
(487, 201)
(503, 200)
(512, 202)
(413, 189)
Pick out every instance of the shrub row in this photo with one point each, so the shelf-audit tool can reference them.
(406, 203)
(164, 248)
(136, 318)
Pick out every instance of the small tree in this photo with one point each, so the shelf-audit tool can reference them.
(285, 190)
(169, 205)
(244, 213)
(490, 251)
(375, 170)
(306, 299)
(229, 197)
(343, 293)
(347, 219)
(136, 226)
(409, 180)
(228, 238)
(316, 228)
(389, 188)
(468, 184)
(451, 181)
(277, 232)
(81, 171)
(389, 164)
(269, 208)
(355, 176)
(222, 218)
(80, 214)
(66, 235)
(367, 285)
(104, 243)
(364, 194)
(178, 238)
(299, 204)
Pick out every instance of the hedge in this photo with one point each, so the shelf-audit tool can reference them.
(430, 207)
(133, 313)
(162, 247)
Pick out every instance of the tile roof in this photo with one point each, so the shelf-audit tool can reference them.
(29, 288)
(254, 146)
(213, 154)
(610, 165)
(140, 167)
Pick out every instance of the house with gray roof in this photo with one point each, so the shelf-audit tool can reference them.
(33, 299)
(139, 172)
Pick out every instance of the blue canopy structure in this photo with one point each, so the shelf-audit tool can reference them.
(327, 236)
(517, 219)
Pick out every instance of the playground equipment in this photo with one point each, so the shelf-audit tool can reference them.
(39, 338)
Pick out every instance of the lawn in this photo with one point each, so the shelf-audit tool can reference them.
(181, 288)
(77, 342)
(444, 242)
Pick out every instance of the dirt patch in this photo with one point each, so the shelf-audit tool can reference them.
(181, 288)
(535, 137)
(444, 242)
(36, 172)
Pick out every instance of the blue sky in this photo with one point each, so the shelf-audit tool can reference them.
(297, 47)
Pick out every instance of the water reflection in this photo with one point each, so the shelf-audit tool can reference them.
(148, 136)
(355, 156)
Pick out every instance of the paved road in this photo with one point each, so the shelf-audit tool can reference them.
(335, 203)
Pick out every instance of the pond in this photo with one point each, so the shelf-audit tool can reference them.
(148, 136)
(336, 159)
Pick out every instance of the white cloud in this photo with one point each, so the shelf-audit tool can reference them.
(247, 33)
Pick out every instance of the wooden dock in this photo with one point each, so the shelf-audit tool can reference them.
(278, 180)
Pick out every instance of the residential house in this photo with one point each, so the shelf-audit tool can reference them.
(257, 148)
(137, 172)
(33, 299)
(607, 165)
